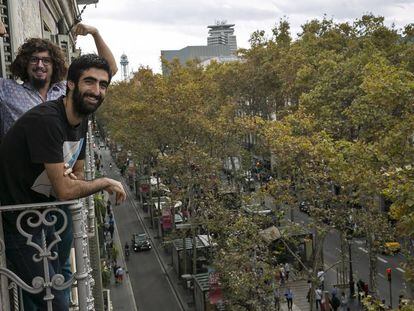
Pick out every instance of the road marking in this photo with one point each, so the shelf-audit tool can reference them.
(359, 242)
(401, 270)
(381, 275)
(381, 259)
(363, 249)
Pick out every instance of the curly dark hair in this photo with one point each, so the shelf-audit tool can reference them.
(34, 45)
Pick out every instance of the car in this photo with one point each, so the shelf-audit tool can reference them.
(390, 248)
(140, 242)
(304, 207)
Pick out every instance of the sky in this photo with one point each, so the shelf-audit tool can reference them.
(142, 28)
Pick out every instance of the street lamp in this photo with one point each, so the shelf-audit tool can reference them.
(351, 274)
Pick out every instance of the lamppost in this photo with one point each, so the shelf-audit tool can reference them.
(351, 274)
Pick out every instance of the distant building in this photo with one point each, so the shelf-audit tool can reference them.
(221, 47)
(124, 67)
(222, 34)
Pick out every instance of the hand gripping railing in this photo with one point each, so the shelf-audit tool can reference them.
(42, 216)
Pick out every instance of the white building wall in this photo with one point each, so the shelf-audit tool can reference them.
(25, 22)
(50, 19)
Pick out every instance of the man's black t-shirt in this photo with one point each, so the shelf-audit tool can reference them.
(41, 135)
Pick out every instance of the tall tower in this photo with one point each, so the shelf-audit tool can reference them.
(222, 34)
(124, 67)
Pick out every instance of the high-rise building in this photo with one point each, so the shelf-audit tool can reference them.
(221, 47)
(222, 34)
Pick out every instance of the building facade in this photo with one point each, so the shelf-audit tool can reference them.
(222, 34)
(51, 19)
(221, 46)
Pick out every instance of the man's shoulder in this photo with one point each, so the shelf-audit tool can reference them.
(61, 86)
(45, 111)
(9, 83)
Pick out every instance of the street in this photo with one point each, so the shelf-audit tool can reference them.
(150, 283)
(332, 255)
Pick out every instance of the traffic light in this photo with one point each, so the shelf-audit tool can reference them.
(388, 274)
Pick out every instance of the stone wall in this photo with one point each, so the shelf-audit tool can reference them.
(40, 18)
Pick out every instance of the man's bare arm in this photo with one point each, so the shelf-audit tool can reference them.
(69, 189)
(101, 46)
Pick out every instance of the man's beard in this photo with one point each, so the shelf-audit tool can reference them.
(81, 108)
(37, 83)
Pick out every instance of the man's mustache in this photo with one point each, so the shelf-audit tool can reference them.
(97, 97)
(40, 68)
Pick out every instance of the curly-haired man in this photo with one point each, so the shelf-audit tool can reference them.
(42, 68)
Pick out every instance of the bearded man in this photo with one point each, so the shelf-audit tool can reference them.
(33, 155)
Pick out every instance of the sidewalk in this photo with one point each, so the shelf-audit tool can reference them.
(122, 296)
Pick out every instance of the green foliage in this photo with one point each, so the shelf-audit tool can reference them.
(100, 208)
(334, 110)
(106, 276)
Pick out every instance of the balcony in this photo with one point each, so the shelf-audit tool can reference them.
(39, 229)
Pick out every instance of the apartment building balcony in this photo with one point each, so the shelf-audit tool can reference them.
(44, 216)
(40, 227)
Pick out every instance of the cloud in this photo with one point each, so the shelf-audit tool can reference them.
(141, 28)
(187, 12)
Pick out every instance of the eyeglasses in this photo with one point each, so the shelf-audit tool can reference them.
(34, 60)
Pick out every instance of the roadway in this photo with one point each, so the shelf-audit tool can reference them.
(332, 255)
(153, 289)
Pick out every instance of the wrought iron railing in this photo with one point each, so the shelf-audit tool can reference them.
(44, 216)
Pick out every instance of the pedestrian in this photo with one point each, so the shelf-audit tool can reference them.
(276, 294)
(366, 289)
(335, 303)
(120, 274)
(108, 207)
(321, 278)
(114, 269)
(334, 291)
(111, 230)
(344, 302)
(282, 275)
(318, 298)
(289, 298)
(287, 271)
(360, 288)
(309, 290)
